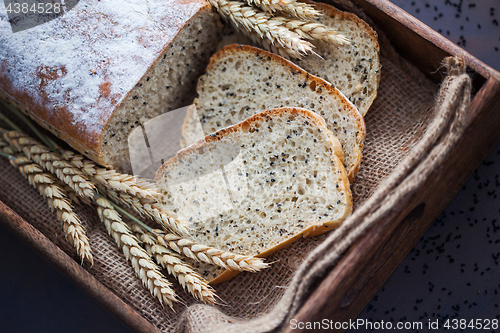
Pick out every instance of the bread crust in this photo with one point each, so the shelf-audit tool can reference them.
(317, 82)
(332, 11)
(61, 111)
(317, 227)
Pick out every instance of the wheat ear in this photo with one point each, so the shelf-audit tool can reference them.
(292, 8)
(210, 255)
(313, 30)
(280, 39)
(51, 162)
(57, 200)
(189, 279)
(141, 261)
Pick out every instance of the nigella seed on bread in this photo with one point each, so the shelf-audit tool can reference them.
(255, 187)
(105, 67)
(242, 80)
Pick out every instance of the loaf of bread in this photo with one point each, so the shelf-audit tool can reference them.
(255, 187)
(353, 68)
(103, 68)
(242, 80)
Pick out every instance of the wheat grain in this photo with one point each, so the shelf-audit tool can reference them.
(210, 255)
(263, 24)
(72, 195)
(149, 208)
(5, 147)
(313, 30)
(161, 215)
(57, 200)
(51, 162)
(141, 261)
(189, 279)
(292, 8)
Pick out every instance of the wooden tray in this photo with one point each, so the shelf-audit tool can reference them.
(348, 287)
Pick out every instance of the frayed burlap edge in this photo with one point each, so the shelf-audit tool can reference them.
(442, 134)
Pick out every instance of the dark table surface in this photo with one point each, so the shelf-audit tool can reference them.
(452, 273)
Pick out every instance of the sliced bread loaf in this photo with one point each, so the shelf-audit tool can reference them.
(259, 185)
(353, 68)
(241, 81)
(106, 67)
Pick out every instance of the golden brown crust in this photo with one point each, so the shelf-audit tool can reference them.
(312, 81)
(59, 112)
(318, 227)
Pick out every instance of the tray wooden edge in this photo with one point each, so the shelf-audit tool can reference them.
(34, 238)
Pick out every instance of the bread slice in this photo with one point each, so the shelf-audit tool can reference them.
(354, 69)
(243, 80)
(257, 186)
(104, 68)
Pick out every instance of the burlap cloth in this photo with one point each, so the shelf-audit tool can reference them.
(409, 131)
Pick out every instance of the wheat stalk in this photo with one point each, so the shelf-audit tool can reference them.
(51, 162)
(210, 255)
(111, 178)
(139, 194)
(57, 200)
(161, 215)
(149, 208)
(292, 8)
(189, 279)
(262, 24)
(141, 261)
(313, 30)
